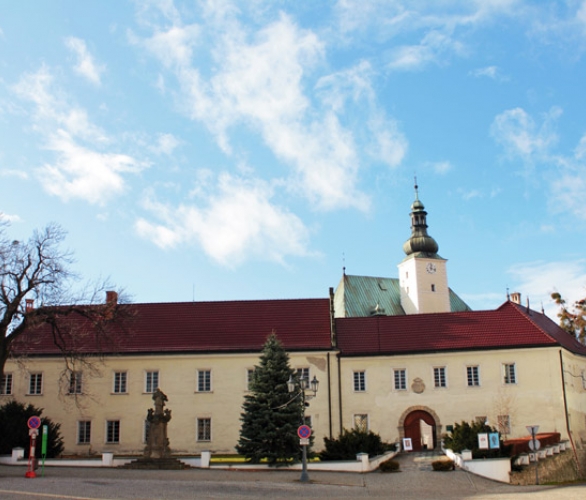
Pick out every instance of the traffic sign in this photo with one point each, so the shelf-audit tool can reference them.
(532, 429)
(304, 431)
(534, 444)
(34, 422)
(304, 441)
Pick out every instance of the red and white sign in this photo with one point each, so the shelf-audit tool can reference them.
(34, 422)
(304, 431)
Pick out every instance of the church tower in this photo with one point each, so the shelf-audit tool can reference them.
(423, 277)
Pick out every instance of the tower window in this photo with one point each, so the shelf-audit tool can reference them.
(433, 287)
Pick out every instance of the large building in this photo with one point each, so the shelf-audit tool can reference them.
(403, 357)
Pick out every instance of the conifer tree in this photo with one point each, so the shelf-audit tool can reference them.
(271, 415)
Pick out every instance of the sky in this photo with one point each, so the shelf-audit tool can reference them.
(220, 150)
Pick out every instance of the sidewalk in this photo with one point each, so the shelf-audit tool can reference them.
(416, 481)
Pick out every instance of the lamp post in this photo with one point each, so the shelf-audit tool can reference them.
(301, 385)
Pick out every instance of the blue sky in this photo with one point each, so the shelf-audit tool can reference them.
(249, 150)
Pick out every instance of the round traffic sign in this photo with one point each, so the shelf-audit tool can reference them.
(534, 444)
(304, 431)
(34, 422)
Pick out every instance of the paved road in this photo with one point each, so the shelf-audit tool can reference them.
(416, 481)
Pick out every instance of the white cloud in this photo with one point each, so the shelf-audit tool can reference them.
(442, 167)
(86, 66)
(431, 49)
(80, 170)
(21, 174)
(537, 281)
(82, 173)
(492, 72)
(238, 222)
(258, 80)
(165, 144)
(516, 130)
(565, 175)
(9, 218)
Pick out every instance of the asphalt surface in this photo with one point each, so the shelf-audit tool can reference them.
(416, 480)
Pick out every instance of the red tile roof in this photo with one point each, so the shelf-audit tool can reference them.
(231, 326)
(509, 326)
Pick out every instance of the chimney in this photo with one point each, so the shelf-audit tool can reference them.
(516, 298)
(29, 305)
(111, 297)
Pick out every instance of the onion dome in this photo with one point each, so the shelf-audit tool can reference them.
(420, 242)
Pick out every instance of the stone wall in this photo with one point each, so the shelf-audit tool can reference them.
(555, 469)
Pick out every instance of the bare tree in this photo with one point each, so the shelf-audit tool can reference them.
(38, 304)
(572, 320)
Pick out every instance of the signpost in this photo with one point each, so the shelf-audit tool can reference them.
(304, 433)
(534, 445)
(33, 424)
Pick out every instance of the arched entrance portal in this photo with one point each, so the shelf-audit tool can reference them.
(420, 426)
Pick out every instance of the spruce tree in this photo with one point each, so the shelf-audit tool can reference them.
(271, 415)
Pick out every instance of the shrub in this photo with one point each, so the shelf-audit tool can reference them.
(465, 437)
(14, 430)
(443, 465)
(389, 466)
(350, 443)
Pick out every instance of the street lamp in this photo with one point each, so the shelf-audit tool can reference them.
(301, 385)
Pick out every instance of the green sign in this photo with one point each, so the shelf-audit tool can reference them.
(44, 441)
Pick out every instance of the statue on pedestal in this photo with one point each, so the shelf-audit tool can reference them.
(157, 441)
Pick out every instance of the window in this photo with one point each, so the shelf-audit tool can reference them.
(307, 420)
(249, 378)
(473, 375)
(510, 373)
(35, 384)
(303, 376)
(204, 429)
(204, 380)
(433, 288)
(6, 384)
(439, 376)
(361, 422)
(360, 381)
(84, 432)
(504, 422)
(75, 383)
(151, 382)
(119, 382)
(400, 380)
(113, 431)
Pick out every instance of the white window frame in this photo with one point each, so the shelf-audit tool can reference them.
(6, 384)
(303, 374)
(440, 377)
(364, 425)
(400, 376)
(75, 383)
(504, 424)
(35, 388)
(120, 382)
(510, 373)
(473, 375)
(205, 436)
(151, 381)
(84, 429)
(359, 380)
(115, 425)
(204, 380)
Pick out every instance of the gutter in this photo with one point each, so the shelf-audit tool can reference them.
(567, 415)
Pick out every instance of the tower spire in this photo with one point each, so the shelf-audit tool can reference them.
(420, 242)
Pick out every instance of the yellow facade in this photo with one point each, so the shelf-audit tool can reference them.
(549, 390)
(178, 379)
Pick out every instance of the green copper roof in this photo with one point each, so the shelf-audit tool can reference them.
(360, 296)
